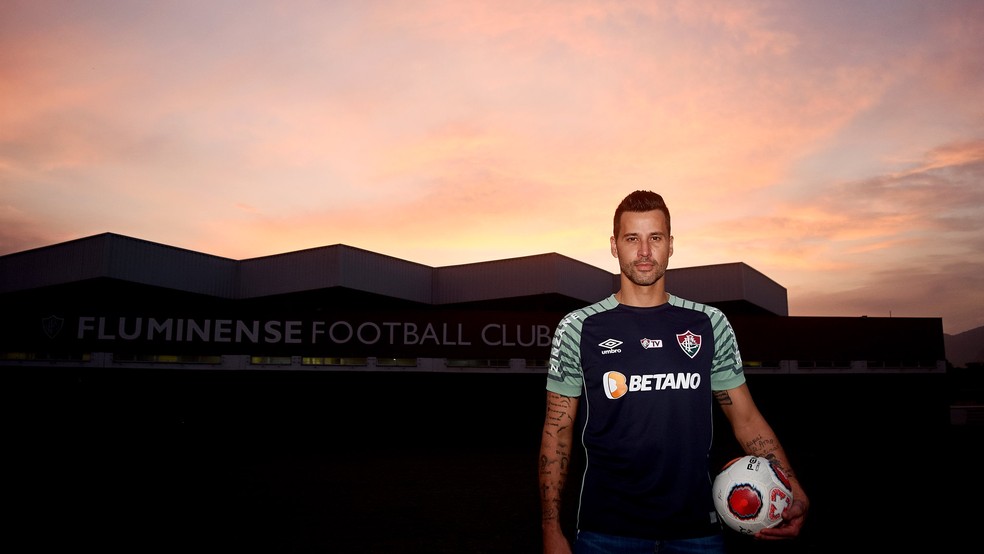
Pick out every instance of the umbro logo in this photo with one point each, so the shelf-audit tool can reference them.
(610, 346)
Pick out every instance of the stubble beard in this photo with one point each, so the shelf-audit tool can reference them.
(643, 280)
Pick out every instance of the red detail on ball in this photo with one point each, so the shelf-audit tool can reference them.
(744, 501)
(782, 476)
(778, 500)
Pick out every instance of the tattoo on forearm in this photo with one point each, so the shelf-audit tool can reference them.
(761, 446)
(554, 465)
(766, 447)
(553, 476)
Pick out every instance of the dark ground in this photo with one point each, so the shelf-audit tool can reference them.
(138, 461)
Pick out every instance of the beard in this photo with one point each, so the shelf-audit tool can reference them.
(640, 278)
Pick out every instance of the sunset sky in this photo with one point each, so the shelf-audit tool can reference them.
(835, 146)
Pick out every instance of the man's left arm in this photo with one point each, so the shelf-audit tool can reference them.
(757, 438)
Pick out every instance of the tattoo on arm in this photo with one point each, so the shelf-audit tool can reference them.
(557, 418)
(766, 447)
(722, 397)
(762, 446)
(554, 465)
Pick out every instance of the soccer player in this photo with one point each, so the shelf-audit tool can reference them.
(638, 372)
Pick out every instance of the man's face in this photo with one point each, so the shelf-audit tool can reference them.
(643, 247)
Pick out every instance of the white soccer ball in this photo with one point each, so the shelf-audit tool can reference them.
(750, 494)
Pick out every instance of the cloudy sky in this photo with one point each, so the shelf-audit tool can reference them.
(835, 146)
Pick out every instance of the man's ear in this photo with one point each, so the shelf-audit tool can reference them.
(671, 245)
(614, 247)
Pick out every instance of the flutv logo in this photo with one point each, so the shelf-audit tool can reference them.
(616, 385)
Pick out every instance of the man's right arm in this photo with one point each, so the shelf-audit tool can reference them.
(555, 456)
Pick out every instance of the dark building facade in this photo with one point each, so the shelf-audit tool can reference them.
(111, 300)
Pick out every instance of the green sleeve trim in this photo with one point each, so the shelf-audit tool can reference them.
(727, 371)
(565, 375)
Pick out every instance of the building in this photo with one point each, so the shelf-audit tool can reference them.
(115, 301)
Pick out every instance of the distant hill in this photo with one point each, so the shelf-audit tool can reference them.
(965, 347)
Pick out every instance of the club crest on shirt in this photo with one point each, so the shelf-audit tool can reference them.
(689, 342)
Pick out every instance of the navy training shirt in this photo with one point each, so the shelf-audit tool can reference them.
(645, 377)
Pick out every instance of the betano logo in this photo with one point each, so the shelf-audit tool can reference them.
(616, 385)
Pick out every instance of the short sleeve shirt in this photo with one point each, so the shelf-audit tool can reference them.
(645, 378)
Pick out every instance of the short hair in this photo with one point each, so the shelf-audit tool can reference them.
(640, 201)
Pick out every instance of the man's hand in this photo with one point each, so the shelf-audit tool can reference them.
(793, 518)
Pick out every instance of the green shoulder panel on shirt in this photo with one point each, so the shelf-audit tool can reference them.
(726, 371)
(564, 375)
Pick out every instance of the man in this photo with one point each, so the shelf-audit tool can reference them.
(637, 371)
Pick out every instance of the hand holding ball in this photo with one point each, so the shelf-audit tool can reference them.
(750, 494)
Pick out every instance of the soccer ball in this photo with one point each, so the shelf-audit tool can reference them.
(750, 494)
